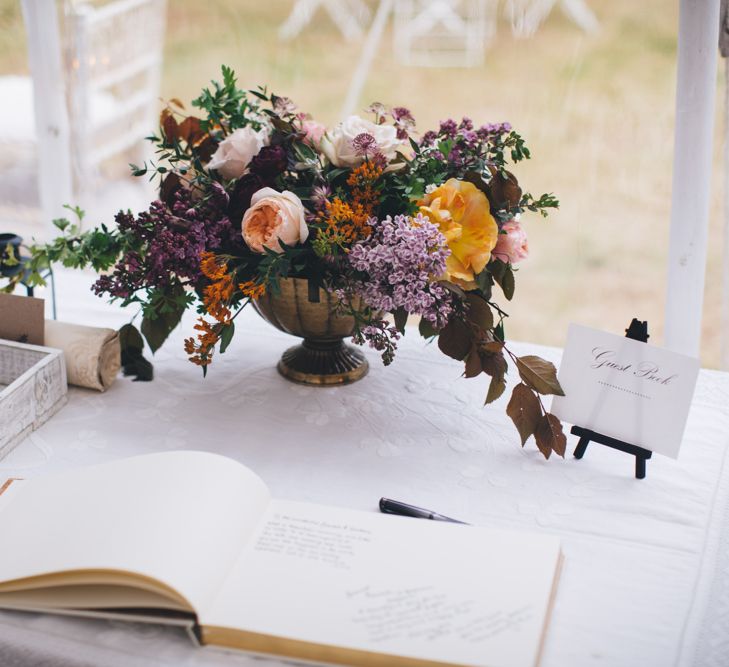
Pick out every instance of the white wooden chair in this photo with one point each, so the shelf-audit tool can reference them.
(350, 16)
(527, 15)
(443, 33)
(93, 94)
(113, 59)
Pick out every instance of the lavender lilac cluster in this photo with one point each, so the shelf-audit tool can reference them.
(381, 335)
(450, 129)
(401, 257)
(168, 241)
(467, 147)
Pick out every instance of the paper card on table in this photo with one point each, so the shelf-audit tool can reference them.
(626, 389)
(22, 319)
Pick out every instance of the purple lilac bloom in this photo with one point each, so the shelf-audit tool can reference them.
(449, 128)
(466, 124)
(428, 138)
(402, 258)
(470, 137)
(455, 157)
(493, 129)
(169, 243)
(381, 336)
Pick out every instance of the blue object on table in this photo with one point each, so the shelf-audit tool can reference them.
(11, 243)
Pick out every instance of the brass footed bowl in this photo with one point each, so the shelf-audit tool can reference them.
(322, 358)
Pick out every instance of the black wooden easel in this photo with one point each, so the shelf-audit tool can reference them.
(637, 331)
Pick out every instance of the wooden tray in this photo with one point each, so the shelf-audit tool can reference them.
(33, 388)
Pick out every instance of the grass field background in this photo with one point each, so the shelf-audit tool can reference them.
(596, 110)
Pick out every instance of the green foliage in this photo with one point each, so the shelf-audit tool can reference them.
(226, 336)
(162, 312)
(540, 205)
(98, 248)
(227, 105)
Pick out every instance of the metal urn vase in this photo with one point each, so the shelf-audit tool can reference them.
(322, 358)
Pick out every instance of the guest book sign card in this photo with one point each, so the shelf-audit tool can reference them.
(22, 319)
(626, 389)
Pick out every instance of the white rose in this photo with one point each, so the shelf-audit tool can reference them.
(236, 151)
(273, 217)
(337, 144)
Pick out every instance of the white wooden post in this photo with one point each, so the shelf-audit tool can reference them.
(698, 35)
(51, 116)
(724, 322)
(79, 103)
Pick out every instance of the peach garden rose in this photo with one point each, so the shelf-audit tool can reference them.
(274, 217)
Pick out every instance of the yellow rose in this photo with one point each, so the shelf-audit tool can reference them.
(463, 215)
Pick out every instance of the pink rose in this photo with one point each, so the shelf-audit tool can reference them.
(314, 131)
(236, 151)
(274, 217)
(511, 247)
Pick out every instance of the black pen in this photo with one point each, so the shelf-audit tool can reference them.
(388, 506)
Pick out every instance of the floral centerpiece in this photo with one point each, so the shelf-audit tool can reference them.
(389, 224)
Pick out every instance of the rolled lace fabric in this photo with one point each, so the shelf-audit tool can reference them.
(92, 354)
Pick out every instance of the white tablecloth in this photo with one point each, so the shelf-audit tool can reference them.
(646, 577)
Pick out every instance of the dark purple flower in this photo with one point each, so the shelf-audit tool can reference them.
(240, 197)
(466, 124)
(270, 162)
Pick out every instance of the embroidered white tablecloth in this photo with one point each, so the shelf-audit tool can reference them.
(646, 577)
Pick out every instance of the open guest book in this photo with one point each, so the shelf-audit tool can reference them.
(195, 538)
